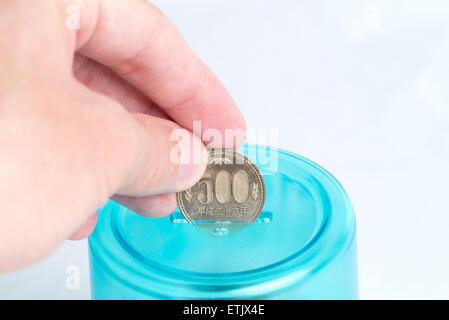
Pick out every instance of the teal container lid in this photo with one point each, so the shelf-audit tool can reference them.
(306, 223)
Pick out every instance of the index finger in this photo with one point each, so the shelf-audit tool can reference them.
(135, 40)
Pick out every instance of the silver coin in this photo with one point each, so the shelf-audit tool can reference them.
(232, 190)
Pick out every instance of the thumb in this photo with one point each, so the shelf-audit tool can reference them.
(166, 158)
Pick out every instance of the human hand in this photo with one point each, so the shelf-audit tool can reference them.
(88, 114)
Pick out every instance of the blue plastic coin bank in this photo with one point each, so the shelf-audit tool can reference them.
(302, 246)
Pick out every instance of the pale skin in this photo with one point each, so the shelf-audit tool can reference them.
(87, 114)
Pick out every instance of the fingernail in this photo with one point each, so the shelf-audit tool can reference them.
(192, 162)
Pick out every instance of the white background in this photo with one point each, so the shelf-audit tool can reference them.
(360, 87)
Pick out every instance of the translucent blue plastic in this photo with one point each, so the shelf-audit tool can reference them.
(302, 246)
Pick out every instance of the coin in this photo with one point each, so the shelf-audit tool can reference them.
(232, 190)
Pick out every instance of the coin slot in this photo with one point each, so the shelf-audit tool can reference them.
(177, 217)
